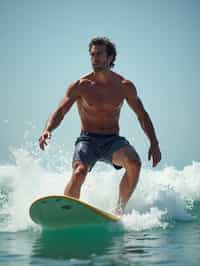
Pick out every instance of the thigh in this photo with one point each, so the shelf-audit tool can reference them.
(125, 155)
(84, 153)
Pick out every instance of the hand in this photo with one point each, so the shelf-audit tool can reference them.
(43, 139)
(154, 153)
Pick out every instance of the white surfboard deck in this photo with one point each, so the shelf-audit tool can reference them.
(58, 212)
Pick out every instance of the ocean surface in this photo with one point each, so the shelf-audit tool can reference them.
(161, 225)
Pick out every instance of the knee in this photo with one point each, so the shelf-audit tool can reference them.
(79, 173)
(133, 164)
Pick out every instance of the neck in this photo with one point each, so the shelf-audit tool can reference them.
(102, 76)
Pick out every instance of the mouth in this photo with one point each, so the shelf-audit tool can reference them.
(95, 63)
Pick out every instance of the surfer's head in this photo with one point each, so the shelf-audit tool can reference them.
(103, 53)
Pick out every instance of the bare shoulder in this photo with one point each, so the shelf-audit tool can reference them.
(86, 79)
(75, 88)
(129, 88)
(127, 84)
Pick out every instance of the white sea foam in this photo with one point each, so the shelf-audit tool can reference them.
(161, 196)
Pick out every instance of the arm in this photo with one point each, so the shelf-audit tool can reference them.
(57, 116)
(136, 105)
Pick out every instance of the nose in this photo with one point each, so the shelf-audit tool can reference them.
(95, 60)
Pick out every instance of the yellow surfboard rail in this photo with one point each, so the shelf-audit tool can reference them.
(107, 216)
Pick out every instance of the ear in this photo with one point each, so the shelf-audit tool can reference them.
(110, 58)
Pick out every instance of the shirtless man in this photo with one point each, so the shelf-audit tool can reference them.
(99, 97)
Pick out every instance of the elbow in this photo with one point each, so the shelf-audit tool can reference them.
(143, 118)
(141, 121)
(61, 112)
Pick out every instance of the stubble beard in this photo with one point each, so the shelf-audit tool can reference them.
(101, 68)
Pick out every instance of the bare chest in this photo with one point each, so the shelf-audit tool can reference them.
(102, 98)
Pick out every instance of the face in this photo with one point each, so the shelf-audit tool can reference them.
(99, 58)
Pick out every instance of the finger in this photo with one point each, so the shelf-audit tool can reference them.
(45, 143)
(41, 146)
(149, 155)
(156, 160)
(160, 157)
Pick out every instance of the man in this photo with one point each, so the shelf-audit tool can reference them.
(99, 97)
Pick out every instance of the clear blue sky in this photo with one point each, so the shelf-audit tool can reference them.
(44, 47)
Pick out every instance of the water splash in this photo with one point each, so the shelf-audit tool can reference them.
(161, 197)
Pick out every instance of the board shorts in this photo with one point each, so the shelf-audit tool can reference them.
(93, 147)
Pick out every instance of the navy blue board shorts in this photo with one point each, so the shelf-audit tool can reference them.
(93, 147)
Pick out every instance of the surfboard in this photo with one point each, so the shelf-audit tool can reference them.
(59, 212)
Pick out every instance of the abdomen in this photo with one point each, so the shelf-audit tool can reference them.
(103, 119)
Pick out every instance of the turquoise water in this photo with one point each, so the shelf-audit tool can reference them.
(178, 245)
(161, 225)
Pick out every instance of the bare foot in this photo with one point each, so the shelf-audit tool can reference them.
(119, 210)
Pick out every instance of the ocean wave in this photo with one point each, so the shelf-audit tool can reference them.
(161, 197)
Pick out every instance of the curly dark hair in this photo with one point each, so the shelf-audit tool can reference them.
(110, 47)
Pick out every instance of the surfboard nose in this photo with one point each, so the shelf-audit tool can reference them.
(57, 211)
